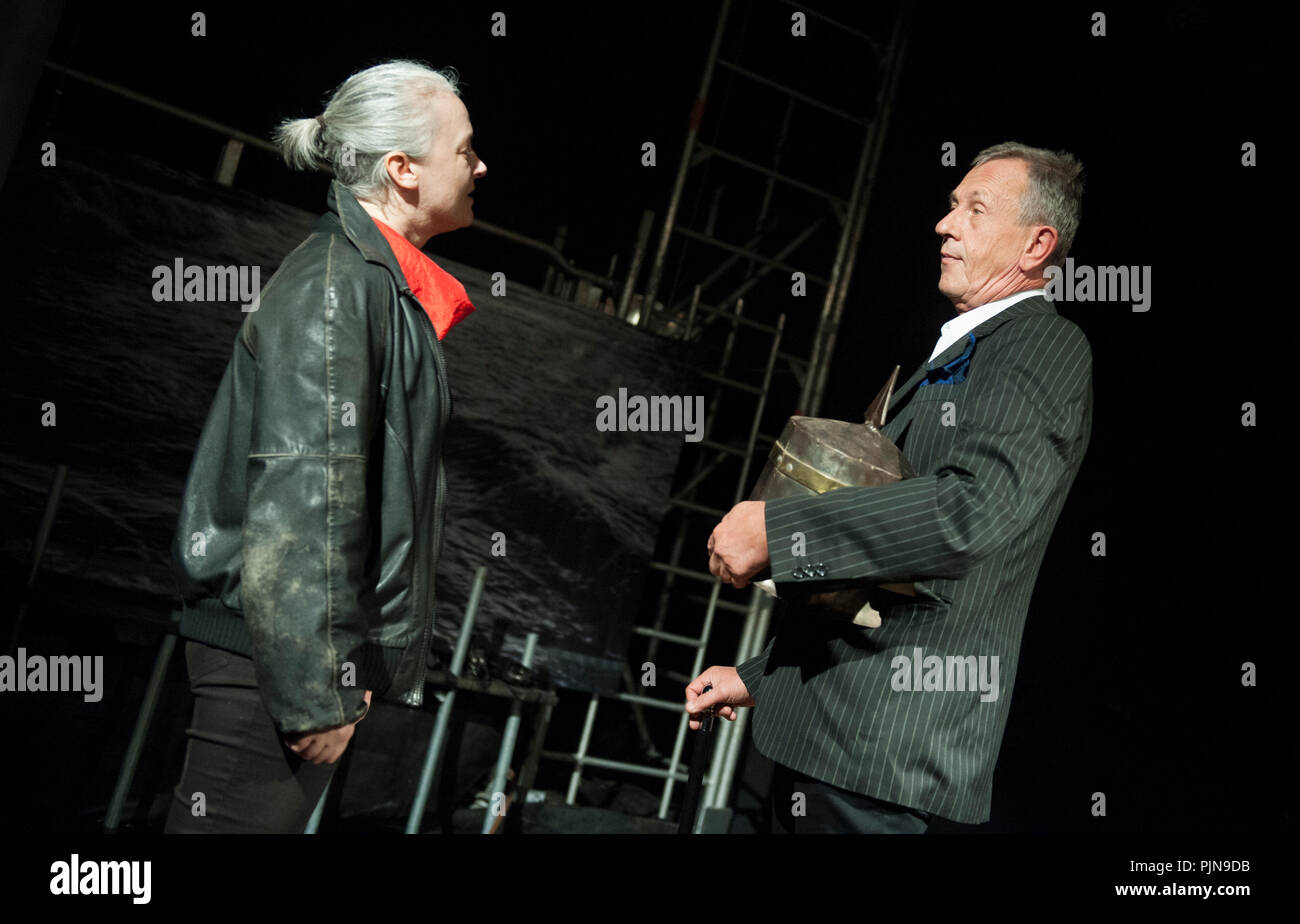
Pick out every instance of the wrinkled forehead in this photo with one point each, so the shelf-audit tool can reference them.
(1003, 178)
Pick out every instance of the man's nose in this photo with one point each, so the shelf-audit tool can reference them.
(481, 170)
(942, 228)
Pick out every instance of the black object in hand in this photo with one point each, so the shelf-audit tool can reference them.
(699, 761)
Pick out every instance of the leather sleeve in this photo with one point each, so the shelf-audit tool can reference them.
(317, 403)
(1018, 435)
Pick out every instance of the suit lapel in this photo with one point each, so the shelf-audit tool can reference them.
(1036, 304)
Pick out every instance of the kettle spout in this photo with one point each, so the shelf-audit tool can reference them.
(880, 406)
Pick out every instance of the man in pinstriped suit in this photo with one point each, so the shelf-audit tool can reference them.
(879, 729)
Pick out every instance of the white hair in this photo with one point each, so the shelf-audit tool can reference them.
(1054, 195)
(374, 112)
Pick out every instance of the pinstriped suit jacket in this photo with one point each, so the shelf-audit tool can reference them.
(996, 454)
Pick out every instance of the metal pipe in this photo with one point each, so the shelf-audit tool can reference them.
(826, 327)
(679, 182)
(38, 551)
(744, 322)
(837, 268)
(704, 472)
(773, 174)
(727, 732)
(723, 793)
(750, 255)
(792, 93)
(666, 705)
(722, 448)
(724, 732)
(433, 755)
(638, 256)
(696, 666)
(523, 239)
(262, 144)
(758, 413)
(690, 313)
(644, 737)
(313, 823)
(508, 738)
(730, 383)
(211, 124)
(682, 572)
(682, 724)
(660, 635)
(580, 757)
(897, 48)
(142, 721)
(607, 764)
(769, 187)
(795, 243)
(751, 643)
(715, 512)
(835, 23)
(700, 473)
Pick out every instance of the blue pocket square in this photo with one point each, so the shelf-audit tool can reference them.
(954, 372)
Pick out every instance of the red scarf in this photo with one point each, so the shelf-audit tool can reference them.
(439, 292)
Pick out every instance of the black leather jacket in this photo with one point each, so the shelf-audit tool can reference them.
(312, 516)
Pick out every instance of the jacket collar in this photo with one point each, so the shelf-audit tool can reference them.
(1033, 305)
(360, 229)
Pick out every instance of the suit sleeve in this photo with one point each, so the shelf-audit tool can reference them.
(751, 671)
(307, 532)
(1019, 434)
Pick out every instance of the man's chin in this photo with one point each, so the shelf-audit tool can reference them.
(954, 296)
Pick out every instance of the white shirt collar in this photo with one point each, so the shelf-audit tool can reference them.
(967, 321)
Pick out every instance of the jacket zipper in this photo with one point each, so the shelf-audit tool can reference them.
(416, 695)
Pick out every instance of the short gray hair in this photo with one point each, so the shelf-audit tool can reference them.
(1054, 195)
(376, 111)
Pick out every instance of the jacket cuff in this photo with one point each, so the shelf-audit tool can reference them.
(751, 671)
(780, 518)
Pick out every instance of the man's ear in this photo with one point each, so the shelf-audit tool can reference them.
(1038, 248)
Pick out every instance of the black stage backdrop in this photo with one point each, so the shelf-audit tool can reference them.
(575, 510)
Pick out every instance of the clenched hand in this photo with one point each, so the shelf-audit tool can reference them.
(738, 545)
(728, 690)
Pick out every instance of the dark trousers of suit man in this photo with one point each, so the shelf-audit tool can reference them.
(250, 781)
(803, 805)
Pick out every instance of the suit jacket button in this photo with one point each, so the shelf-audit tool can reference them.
(819, 569)
(797, 574)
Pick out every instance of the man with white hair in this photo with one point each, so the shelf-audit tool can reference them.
(877, 730)
(312, 515)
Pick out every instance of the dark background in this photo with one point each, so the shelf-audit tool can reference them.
(1129, 675)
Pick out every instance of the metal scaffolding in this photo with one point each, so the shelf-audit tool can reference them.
(706, 495)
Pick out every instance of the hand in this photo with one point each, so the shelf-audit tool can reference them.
(738, 545)
(324, 747)
(728, 690)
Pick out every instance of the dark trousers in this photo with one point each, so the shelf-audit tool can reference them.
(250, 781)
(827, 809)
